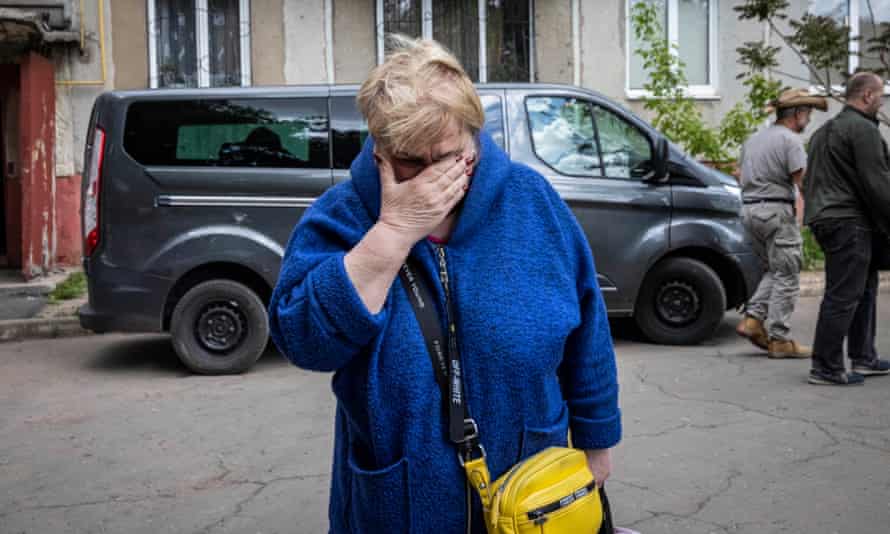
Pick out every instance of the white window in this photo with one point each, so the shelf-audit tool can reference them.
(493, 39)
(198, 43)
(865, 19)
(691, 27)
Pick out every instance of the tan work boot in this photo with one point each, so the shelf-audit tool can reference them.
(788, 349)
(752, 329)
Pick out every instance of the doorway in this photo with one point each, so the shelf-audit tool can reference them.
(10, 180)
(4, 258)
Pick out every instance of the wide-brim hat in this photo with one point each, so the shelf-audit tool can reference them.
(792, 98)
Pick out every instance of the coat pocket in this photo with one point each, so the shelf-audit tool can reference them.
(380, 499)
(536, 439)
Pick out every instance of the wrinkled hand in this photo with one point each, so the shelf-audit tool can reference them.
(415, 207)
(600, 463)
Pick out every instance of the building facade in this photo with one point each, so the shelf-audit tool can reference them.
(56, 56)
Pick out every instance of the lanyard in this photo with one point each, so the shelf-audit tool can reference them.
(443, 353)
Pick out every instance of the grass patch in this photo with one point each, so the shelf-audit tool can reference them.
(813, 257)
(73, 287)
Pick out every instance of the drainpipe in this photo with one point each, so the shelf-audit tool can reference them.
(101, 11)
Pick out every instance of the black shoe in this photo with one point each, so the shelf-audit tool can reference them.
(831, 379)
(875, 368)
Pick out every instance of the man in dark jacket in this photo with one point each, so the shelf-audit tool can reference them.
(847, 194)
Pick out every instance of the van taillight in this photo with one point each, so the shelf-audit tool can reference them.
(91, 201)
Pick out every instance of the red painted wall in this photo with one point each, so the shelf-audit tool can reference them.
(69, 237)
(37, 114)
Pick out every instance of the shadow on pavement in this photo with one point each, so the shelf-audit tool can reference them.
(138, 353)
(155, 354)
(625, 330)
(271, 359)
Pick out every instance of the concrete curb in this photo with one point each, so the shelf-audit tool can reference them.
(39, 287)
(812, 284)
(22, 329)
(26, 291)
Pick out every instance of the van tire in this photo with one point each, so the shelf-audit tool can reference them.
(682, 302)
(219, 327)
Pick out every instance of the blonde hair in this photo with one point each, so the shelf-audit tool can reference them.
(415, 94)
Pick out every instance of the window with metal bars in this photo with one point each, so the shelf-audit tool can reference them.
(199, 43)
(493, 39)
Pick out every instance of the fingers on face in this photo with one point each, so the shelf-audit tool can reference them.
(450, 174)
(457, 190)
(443, 177)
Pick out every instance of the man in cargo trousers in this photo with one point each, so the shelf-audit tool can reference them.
(773, 162)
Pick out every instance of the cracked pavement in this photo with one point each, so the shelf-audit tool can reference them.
(720, 439)
(111, 434)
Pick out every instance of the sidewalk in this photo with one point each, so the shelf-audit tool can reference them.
(812, 283)
(28, 313)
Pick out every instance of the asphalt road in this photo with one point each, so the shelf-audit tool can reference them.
(111, 434)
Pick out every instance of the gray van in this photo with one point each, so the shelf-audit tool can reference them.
(190, 196)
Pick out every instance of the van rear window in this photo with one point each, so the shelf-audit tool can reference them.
(291, 133)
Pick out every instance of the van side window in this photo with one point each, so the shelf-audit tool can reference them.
(494, 118)
(349, 130)
(626, 151)
(564, 135)
(271, 132)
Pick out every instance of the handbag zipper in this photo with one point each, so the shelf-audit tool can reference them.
(452, 348)
(539, 515)
(522, 476)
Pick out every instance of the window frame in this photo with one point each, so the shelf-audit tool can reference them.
(503, 111)
(591, 103)
(647, 136)
(853, 21)
(596, 135)
(698, 92)
(426, 12)
(202, 44)
(336, 114)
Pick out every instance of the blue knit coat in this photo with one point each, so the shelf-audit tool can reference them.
(532, 331)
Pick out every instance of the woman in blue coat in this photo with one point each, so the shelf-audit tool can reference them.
(530, 322)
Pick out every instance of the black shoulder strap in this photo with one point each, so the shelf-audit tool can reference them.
(463, 430)
(424, 308)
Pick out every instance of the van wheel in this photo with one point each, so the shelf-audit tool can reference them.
(219, 327)
(682, 302)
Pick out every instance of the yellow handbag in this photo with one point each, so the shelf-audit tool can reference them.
(551, 492)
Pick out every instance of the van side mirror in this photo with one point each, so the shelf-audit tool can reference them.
(654, 169)
(659, 161)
